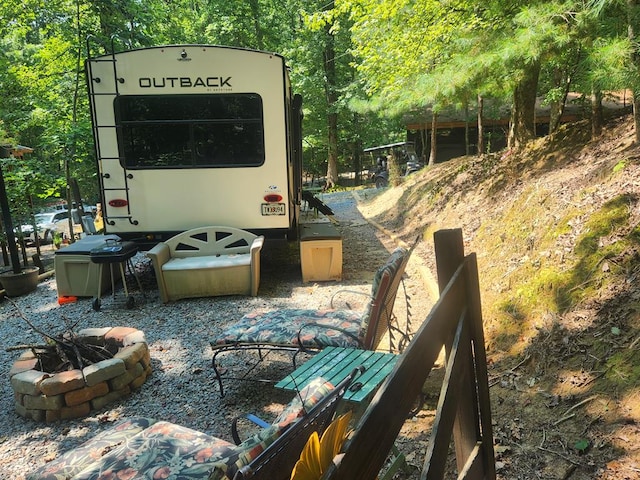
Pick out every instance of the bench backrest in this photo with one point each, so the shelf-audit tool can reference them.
(211, 240)
(463, 412)
(277, 461)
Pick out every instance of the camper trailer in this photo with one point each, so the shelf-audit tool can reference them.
(195, 135)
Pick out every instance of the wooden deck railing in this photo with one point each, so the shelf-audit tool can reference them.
(463, 411)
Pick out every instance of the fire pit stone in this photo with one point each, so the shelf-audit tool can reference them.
(52, 396)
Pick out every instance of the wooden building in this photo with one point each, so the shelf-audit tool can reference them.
(457, 131)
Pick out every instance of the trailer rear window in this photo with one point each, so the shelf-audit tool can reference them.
(190, 131)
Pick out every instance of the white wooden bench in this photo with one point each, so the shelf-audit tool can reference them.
(207, 261)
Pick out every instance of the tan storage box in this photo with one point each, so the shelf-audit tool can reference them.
(320, 252)
(76, 274)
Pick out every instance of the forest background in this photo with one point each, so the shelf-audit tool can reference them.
(361, 66)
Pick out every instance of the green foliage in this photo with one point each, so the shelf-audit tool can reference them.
(551, 287)
(582, 445)
(623, 368)
(393, 57)
(619, 166)
(414, 53)
(44, 90)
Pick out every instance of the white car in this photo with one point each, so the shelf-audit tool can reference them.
(46, 223)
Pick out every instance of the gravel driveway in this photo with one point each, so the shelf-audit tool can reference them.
(181, 388)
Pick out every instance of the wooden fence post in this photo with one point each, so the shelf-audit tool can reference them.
(463, 412)
(449, 249)
(473, 417)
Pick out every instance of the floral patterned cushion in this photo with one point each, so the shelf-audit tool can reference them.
(140, 448)
(312, 328)
(390, 268)
(254, 446)
(339, 328)
(305, 400)
(74, 461)
(164, 450)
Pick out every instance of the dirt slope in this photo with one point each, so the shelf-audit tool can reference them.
(556, 231)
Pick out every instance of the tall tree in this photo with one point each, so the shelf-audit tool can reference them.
(523, 112)
(328, 76)
(633, 18)
(413, 53)
(330, 87)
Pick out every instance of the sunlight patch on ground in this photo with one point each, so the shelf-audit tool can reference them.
(573, 382)
(577, 320)
(630, 405)
(383, 203)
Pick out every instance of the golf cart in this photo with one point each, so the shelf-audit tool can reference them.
(405, 154)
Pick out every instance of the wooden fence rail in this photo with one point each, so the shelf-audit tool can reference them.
(463, 411)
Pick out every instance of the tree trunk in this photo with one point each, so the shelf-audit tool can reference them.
(597, 115)
(32, 219)
(480, 146)
(5, 253)
(424, 138)
(356, 146)
(8, 226)
(557, 108)
(332, 159)
(394, 167)
(466, 128)
(255, 11)
(524, 107)
(633, 18)
(636, 114)
(434, 134)
(332, 99)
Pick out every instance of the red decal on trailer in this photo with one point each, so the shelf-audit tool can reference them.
(273, 198)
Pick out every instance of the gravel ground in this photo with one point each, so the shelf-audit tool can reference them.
(181, 388)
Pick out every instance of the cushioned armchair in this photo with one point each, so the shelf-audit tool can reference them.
(145, 448)
(298, 330)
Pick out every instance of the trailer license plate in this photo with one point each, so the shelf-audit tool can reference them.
(273, 209)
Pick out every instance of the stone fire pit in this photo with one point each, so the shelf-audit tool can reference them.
(44, 396)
